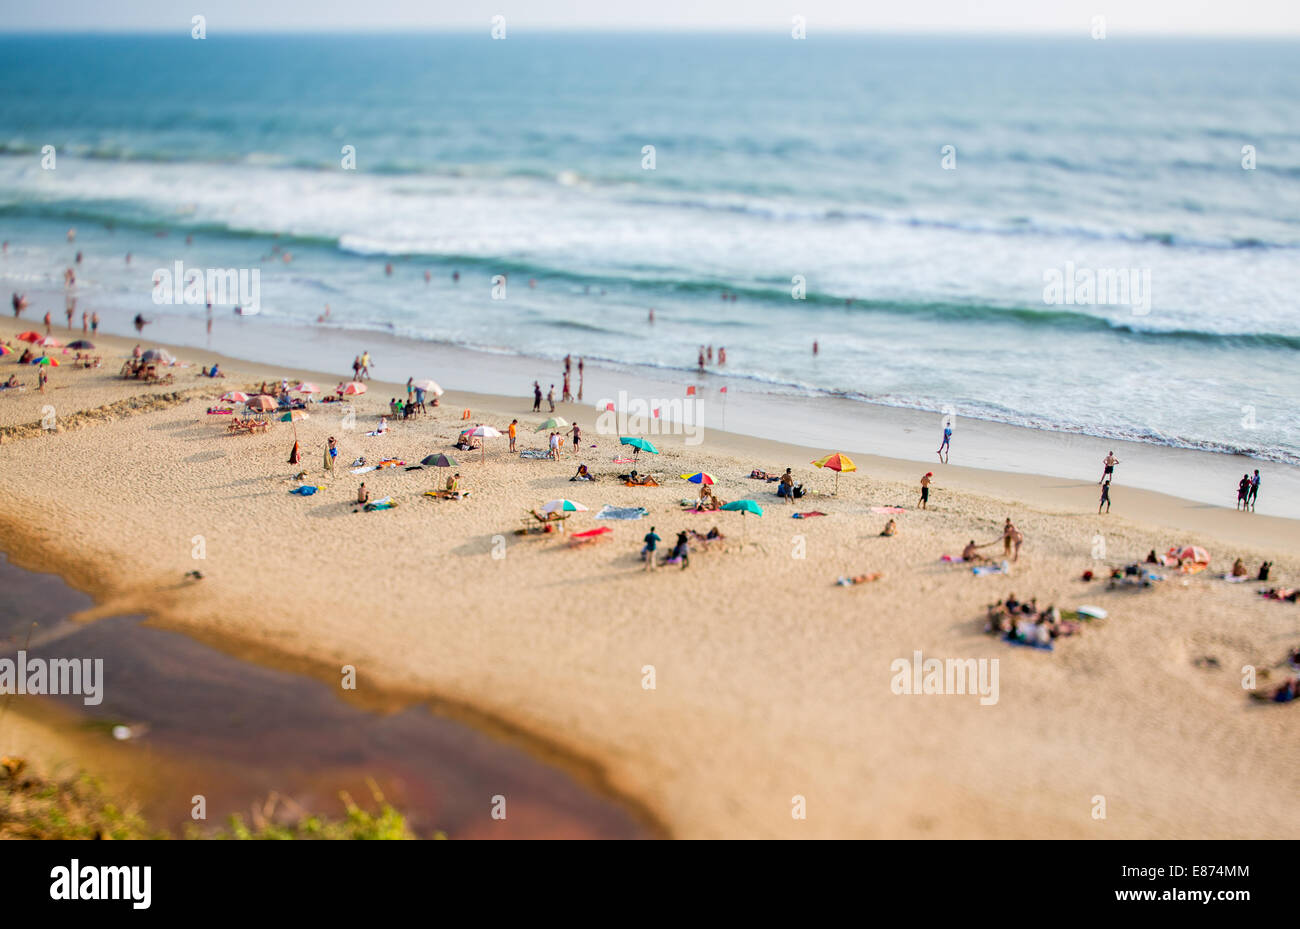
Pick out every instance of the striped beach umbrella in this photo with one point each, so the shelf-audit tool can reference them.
(293, 416)
(234, 396)
(562, 506)
(837, 462)
(306, 387)
(45, 360)
(5, 350)
(439, 461)
(555, 422)
(699, 477)
(50, 342)
(353, 388)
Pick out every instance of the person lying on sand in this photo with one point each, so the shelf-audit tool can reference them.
(891, 528)
(1285, 692)
(858, 579)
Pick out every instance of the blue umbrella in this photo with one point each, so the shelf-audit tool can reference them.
(746, 507)
(641, 445)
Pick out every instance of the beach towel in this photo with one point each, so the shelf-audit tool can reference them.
(366, 470)
(1232, 579)
(378, 432)
(985, 569)
(306, 490)
(536, 453)
(887, 509)
(1091, 612)
(1043, 646)
(386, 503)
(621, 512)
(618, 460)
(807, 515)
(952, 559)
(390, 463)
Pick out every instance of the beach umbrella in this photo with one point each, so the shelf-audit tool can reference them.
(5, 350)
(439, 461)
(484, 432)
(641, 445)
(837, 462)
(30, 336)
(292, 416)
(555, 422)
(1180, 553)
(81, 344)
(262, 403)
(430, 386)
(699, 477)
(306, 387)
(50, 342)
(353, 388)
(746, 507)
(562, 506)
(45, 360)
(158, 356)
(234, 396)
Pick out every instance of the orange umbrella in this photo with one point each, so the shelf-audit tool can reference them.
(30, 336)
(352, 388)
(262, 403)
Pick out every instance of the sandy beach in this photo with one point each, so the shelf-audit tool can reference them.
(771, 682)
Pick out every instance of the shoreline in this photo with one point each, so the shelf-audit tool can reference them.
(895, 435)
(533, 683)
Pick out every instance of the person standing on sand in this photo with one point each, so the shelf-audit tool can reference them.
(1105, 497)
(947, 441)
(565, 394)
(550, 397)
(365, 365)
(513, 432)
(1243, 492)
(85, 322)
(580, 365)
(1254, 490)
(787, 483)
(69, 309)
(410, 389)
(94, 323)
(356, 367)
(47, 323)
(648, 552)
(701, 359)
(331, 452)
(1011, 538)
(577, 437)
(41, 378)
(925, 490)
(537, 397)
(1109, 463)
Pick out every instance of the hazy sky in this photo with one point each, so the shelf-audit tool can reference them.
(1212, 17)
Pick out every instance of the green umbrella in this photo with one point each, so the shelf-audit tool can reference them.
(440, 461)
(555, 422)
(292, 416)
(746, 507)
(641, 445)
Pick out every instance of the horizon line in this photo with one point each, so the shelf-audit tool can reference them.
(817, 31)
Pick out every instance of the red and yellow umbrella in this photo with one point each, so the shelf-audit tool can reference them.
(837, 462)
(30, 336)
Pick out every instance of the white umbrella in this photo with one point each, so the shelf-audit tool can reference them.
(306, 387)
(431, 386)
(484, 432)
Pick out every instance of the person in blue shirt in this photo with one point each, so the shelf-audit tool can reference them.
(648, 553)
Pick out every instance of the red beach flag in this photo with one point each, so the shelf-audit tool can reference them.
(690, 391)
(656, 412)
(609, 408)
(722, 390)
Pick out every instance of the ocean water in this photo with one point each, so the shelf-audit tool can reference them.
(775, 159)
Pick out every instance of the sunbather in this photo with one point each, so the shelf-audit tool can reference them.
(858, 579)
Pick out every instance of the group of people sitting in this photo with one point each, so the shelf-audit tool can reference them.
(1025, 623)
(404, 409)
(681, 550)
